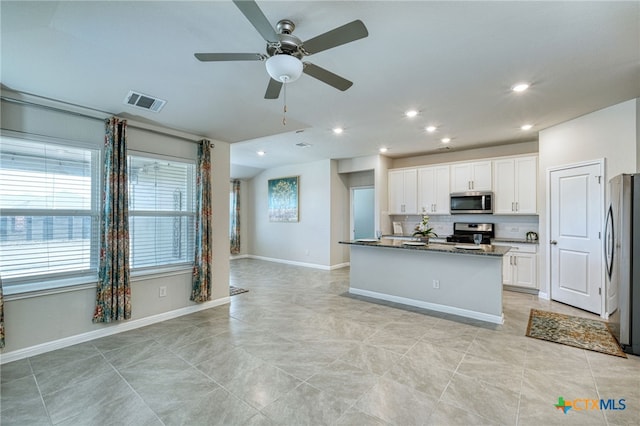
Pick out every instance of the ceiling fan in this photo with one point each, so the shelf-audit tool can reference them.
(285, 51)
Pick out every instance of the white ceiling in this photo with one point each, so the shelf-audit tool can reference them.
(453, 61)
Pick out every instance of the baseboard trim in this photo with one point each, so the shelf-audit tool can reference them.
(495, 319)
(290, 262)
(108, 331)
(339, 266)
(516, 289)
(238, 256)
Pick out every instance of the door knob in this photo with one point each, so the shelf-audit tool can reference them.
(554, 242)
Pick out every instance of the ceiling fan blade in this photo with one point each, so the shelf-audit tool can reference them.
(273, 89)
(209, 57)
(252, 12)
(338, 36)
(326, 76)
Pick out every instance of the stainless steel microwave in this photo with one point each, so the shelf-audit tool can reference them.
(471, 202)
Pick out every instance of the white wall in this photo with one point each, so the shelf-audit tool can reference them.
(340, 216)
(610, 133)
(309, 240)
(467, 155)
(39, 319)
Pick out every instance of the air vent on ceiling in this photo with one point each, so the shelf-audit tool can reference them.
(303, 145)
(139, 100)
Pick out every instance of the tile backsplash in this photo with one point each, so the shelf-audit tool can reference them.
(505, 226)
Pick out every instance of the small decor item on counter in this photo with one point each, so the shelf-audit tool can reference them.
(423, 231)
(532, 236)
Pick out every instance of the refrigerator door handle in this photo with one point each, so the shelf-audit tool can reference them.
(609, 243)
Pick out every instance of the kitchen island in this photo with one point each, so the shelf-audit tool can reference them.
(459, 279)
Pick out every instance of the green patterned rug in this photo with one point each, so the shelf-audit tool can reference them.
(236, 290)
(568, 330)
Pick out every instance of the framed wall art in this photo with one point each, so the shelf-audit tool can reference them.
(283, 199)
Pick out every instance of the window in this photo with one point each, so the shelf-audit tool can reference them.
(161, 211)
(49, 210)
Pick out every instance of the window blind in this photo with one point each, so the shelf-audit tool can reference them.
(161, 211)
(48, 210)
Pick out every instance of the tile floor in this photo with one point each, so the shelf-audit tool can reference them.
(295, 350)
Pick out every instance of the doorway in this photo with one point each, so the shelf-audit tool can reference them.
(362, 212)
(576, 204)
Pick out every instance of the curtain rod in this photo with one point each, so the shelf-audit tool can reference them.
(79, 114)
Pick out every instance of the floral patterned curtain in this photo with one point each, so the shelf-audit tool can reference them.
(113, 300)
(201, 282)
(1, 316)
(234, 234)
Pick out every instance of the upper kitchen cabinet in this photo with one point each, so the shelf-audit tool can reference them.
(403, 192)
(471, 176)
(433, 190)
(515, 185)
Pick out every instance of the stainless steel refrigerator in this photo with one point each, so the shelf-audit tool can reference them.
(622, 252)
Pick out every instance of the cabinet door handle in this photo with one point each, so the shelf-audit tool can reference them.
(517, 206)
(513, 206)
(554, 242)
(433, 207)
(515, 261)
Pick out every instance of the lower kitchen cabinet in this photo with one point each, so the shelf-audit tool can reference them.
(520, 265)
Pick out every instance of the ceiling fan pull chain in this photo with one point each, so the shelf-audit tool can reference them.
(284, 109)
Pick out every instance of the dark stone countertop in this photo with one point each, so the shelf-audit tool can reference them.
(515, 240)
(441, 247)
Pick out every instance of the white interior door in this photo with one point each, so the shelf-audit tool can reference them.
(576, 207)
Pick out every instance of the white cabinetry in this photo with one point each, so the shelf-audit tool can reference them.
(433, 190)
(403, 192)
(471, 176)
(519, 266)
(515, 185)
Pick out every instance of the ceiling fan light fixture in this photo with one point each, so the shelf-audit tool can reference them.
(520, 87)
(284, 68)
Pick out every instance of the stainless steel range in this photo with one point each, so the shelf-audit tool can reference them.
(463, 232)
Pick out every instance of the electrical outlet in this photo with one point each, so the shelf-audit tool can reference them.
(162, 291)
(436, 283)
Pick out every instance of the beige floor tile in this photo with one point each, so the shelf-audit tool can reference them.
(396, 403)
(482, 399)
(365, 362)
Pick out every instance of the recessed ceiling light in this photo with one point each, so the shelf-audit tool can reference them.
(445, 140)
(411, 113)
(260, 153)
(430, 129)
(520, 87)
(526, 126)
(384, 149)
(338, 130)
